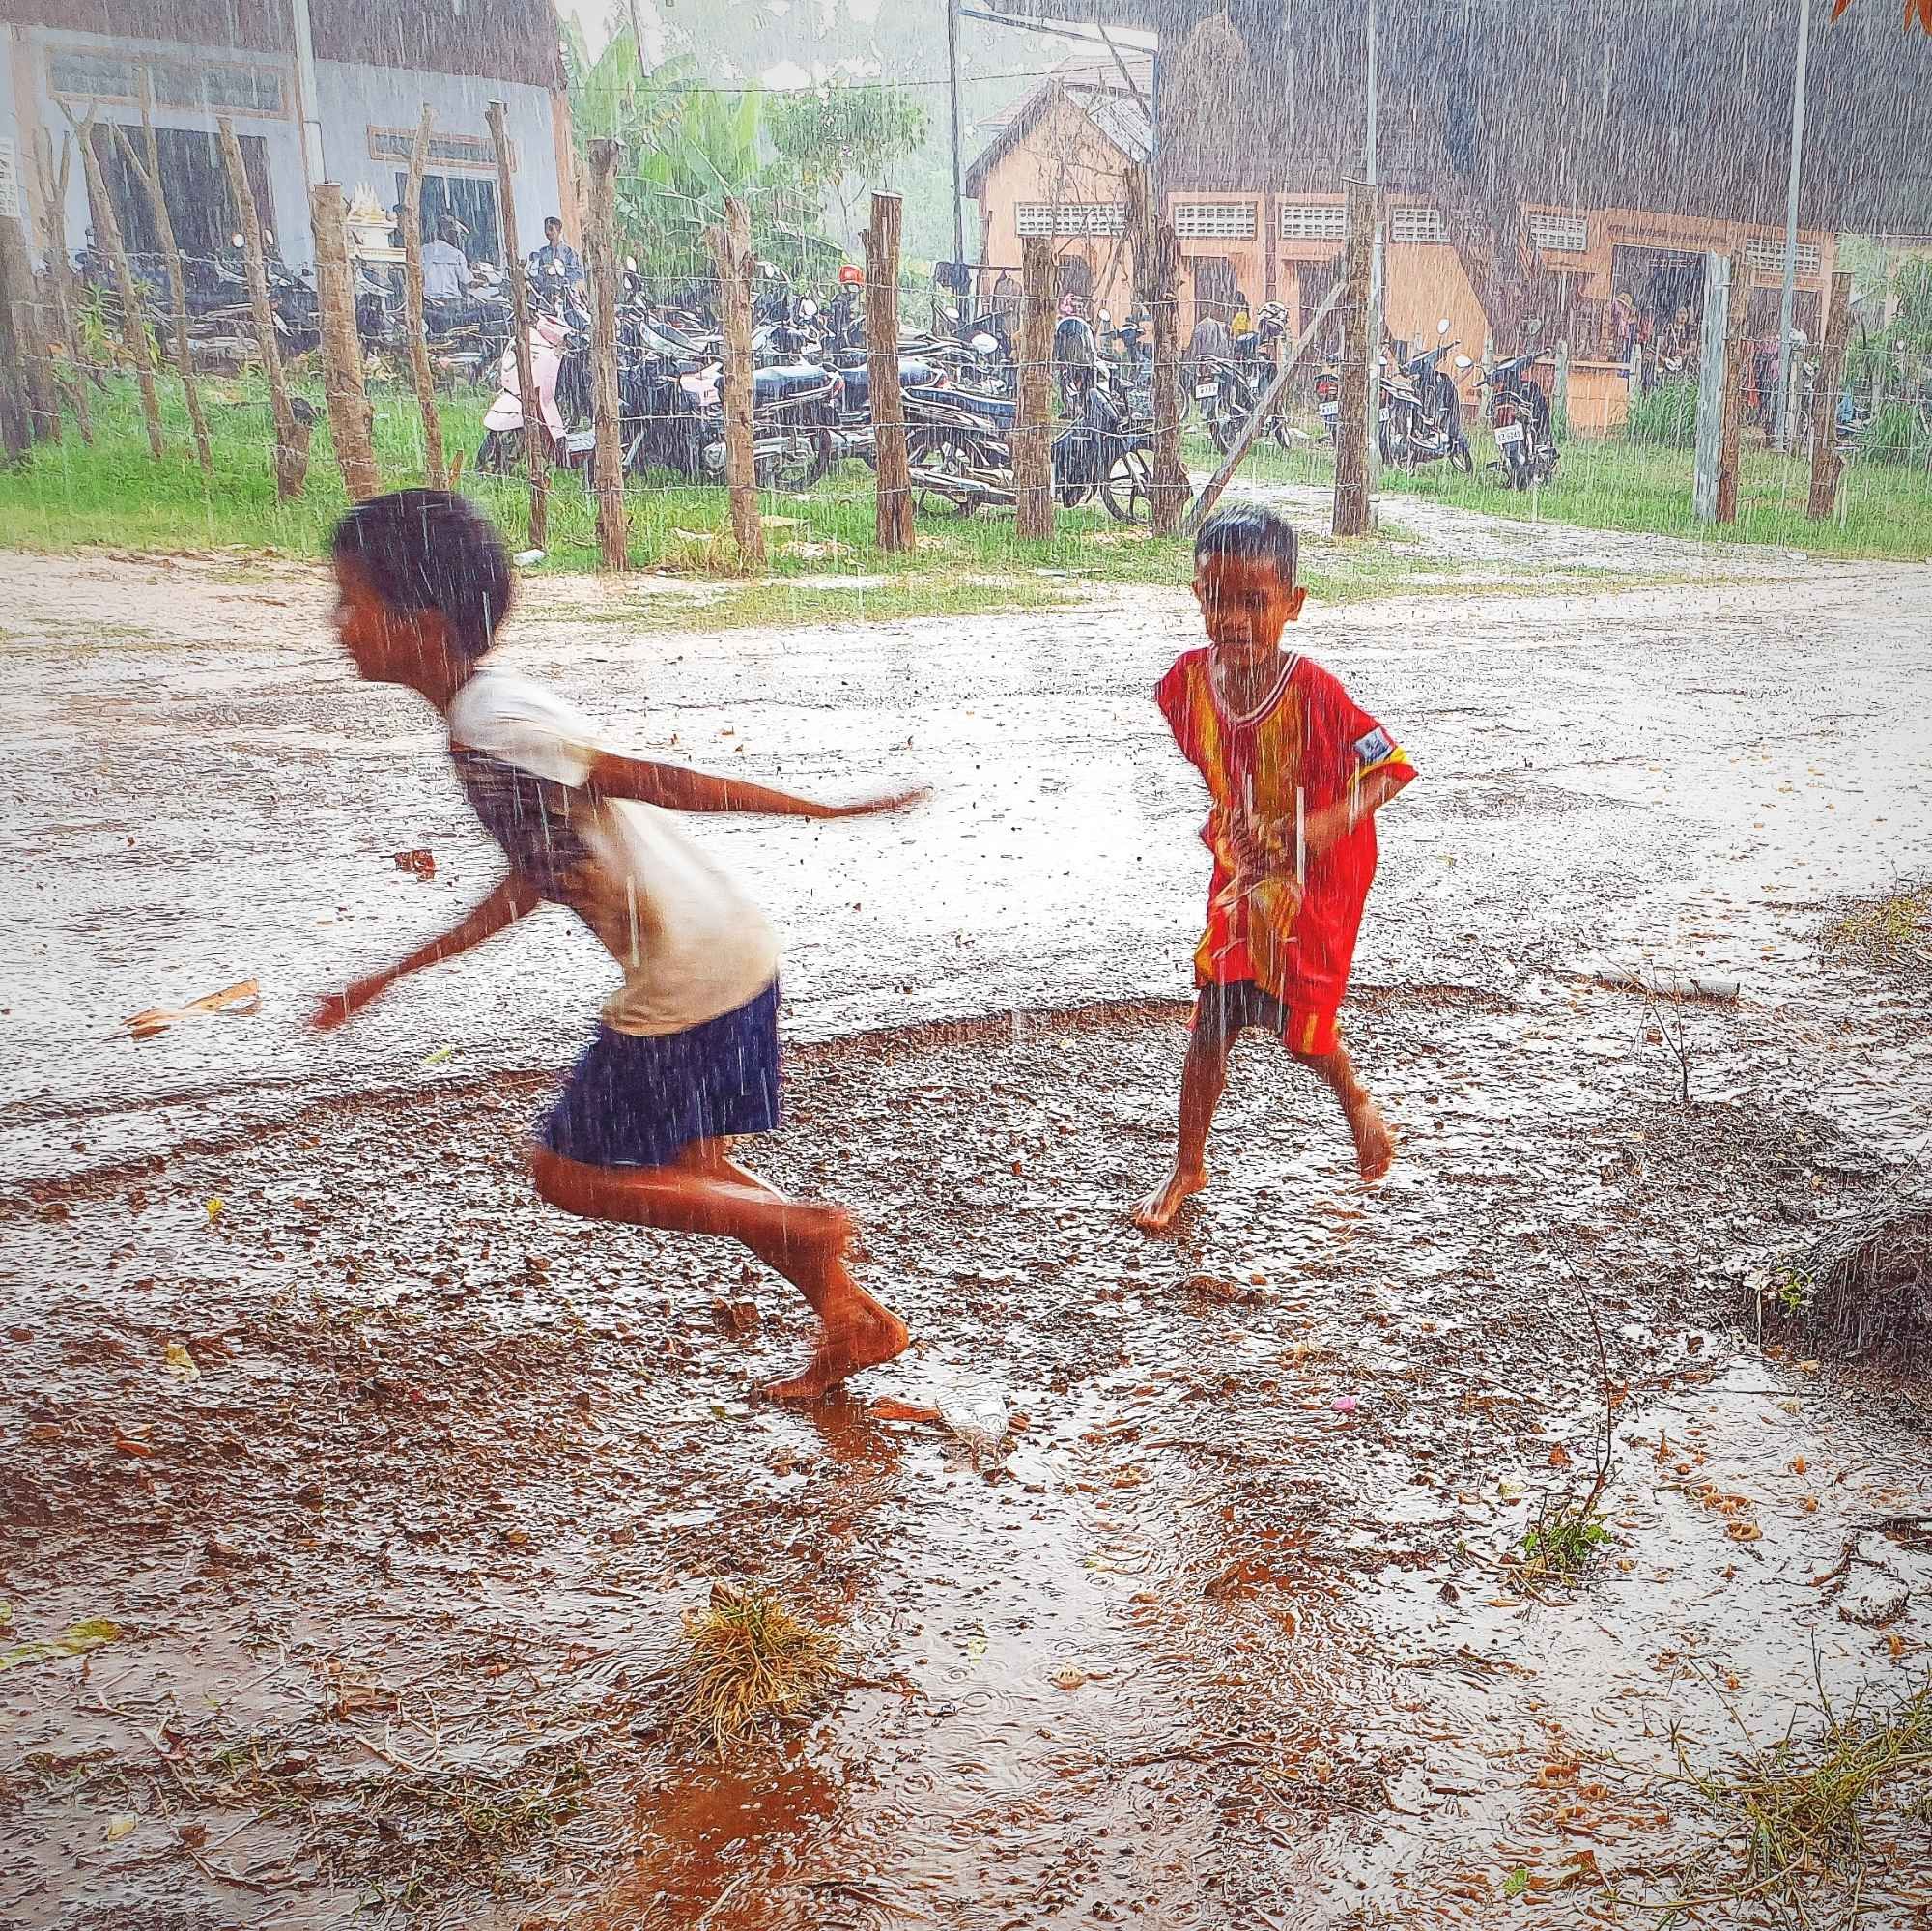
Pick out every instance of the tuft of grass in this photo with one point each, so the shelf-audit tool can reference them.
(748, 1660)
(1562, 1542)
(1893, 930)
(1796, 1812)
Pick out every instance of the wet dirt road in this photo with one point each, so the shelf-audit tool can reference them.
(1141, 1628)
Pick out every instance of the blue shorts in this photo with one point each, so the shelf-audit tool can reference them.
(636, 1100)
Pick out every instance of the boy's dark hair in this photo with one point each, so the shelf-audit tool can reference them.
(432, 550)
(1250, 530)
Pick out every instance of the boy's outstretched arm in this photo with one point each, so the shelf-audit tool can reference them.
(503, 907)
(1376, 788)
(675, 787)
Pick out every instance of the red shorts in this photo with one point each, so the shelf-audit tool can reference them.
(1225, 1010)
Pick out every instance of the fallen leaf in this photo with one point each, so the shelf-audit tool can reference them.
(1068, 1679)
(888, 1408)
(214, 1206)
(418, 864)
(121, 1825)
(76, 1640)
(180, 1363)
(1559, 1457)
(243, 997)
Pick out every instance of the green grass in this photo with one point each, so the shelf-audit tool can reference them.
(1885, 509)
(823, 564)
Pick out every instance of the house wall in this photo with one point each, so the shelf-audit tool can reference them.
(1062, 159)
(352, 97)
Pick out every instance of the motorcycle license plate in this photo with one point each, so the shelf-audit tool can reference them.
(1207, 391)
(1510, 432)
(1330, 410)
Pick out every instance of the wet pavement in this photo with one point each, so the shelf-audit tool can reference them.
(395, 1483)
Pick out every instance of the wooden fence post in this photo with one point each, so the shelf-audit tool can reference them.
(536, 431)
(349, 421)
(1359, 349)
(1824, 462)
(891, 455)
(1559, 393)
(613, 524)
(1711, 371)
(16, 414)
(1033, 425)
(1156, 294)
(135, 330)
(60, 269)
(149, 174)
(731, 244)
(412, 304)
(291, 438)
(1737, 356)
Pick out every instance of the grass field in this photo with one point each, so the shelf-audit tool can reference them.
(822, 559)
(1885, 510)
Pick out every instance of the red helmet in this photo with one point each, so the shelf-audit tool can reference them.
(852, 276)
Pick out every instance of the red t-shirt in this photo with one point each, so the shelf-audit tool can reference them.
(1306, 745)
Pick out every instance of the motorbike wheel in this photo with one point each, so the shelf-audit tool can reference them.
(501, 451)
(807, 456)
(1128, 489)
(1225, 419)
(938, 454)
(1459, 457)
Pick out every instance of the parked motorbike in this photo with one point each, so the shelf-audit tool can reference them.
(1517, 413)
(1421, 411)
(505, 428)
(1229, 390)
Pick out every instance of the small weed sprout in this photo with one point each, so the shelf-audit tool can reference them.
(748, 1660)
(1569, 1532)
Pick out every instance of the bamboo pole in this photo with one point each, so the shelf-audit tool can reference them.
(1033, 425)
(149, 174)
(341, 346)
(1156, 294)
(412, 304)
(730, 242)
(536, 431)
(613, 528)
(1351, 422)
(1737, 357)
(59, 267)
(135, 330)
(291, 440)
(1264, 410)
(891, 456)
(1825, 461)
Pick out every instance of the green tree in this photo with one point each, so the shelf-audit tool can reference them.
(688, 145)
(841, 139)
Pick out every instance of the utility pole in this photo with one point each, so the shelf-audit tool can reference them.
(315, 166)
(1781, 432)
(952, 96)
(1377, 263)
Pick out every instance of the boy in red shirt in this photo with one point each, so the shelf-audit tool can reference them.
(1296, 773)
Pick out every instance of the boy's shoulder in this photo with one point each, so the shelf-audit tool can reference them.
(504, 715)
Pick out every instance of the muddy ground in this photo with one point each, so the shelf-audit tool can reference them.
(394, 1483)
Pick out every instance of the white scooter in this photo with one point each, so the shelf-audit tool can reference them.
(503, 446)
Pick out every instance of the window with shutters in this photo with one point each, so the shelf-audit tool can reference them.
(1214, 221)
(1416, 224)
(1070, 218)
(1766, 253)
(1565, 233)
(1314, 221)
(220, 87)
(454, 150)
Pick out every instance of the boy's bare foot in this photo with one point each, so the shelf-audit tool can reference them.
(1155, 1213)
(1375, 1143)
(860, 1336)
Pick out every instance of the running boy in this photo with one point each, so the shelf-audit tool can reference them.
(1296, 773)
(687, 1052)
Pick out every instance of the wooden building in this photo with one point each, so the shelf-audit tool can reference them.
(1536, 162)
(318, 90)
